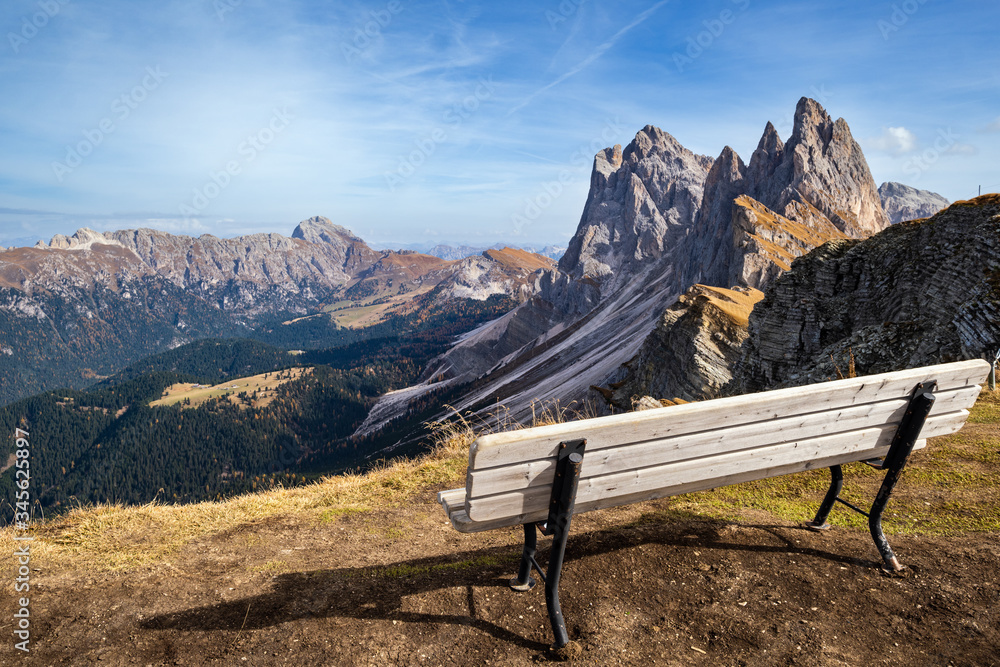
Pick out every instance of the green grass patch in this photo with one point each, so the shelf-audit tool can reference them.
(949, 487)
(987, 408)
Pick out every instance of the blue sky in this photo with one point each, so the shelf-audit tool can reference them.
(455, 121)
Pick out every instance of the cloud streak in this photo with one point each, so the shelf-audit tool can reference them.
(586, 62)
(993, 126)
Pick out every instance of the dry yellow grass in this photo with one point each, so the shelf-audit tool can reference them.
(301, 319)
(779, 226)
(264, 384)
(358, 315)
(117, 537)
(778, 223)
(776, 253)
(735, 304)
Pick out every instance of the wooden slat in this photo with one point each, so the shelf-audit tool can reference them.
(460, 519)
(712, 471)
(514, 446)
(529, 474)
(463, 523)
(452, 499)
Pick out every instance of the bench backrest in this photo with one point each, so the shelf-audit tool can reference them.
(696, 446)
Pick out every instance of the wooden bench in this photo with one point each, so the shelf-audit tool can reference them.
(539, 477)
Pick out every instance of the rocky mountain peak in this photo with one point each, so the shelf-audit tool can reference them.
(765, 160)
(902, 202)
(811, 124)
(727, 168)
(83, 239)
(658, 220)
(642, 200)
(318, 229)
(710, 248)
(607, 161)
(652, 141)
(770, 142)
(820, 172)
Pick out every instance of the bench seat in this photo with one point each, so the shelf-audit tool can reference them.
(696, 446)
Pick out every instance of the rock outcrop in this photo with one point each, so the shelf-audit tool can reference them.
(505, 271)
(614, 280)
(920, 292)
(819, 173)
(765, 243)
(791, 197)
(902, 202)
(642, 202)
(690, 353)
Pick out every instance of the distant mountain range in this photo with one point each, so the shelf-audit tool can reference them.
(82, 307)
(461, 250)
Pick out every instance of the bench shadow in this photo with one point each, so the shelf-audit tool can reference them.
(364, 593)
(379, 592)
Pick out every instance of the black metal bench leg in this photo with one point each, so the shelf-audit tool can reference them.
(836, 485)
(569, 461)
(899, 451)
(875, 520)
(559, 536)
(524, 581)
(902, 445)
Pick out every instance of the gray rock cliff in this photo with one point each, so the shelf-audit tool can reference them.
(917, 293)
(902, 202)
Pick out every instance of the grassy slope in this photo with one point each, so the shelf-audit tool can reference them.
(949, 488)
(265, 384)
(365, 312)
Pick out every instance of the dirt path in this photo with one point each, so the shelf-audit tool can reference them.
(642, 585)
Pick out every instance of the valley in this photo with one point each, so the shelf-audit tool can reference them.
(221, 417)
(266, 360)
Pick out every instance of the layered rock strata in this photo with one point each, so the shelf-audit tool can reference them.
(918, 293)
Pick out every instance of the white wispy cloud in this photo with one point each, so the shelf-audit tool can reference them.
(962, 149)
(411, 92)
(895, 141)
(993, 126)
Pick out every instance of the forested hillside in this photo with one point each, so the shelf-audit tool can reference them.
(108, 444)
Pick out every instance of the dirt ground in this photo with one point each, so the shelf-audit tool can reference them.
(642, 585)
